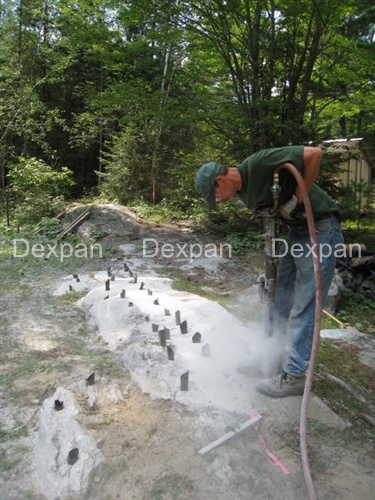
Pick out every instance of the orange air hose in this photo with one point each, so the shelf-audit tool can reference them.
(318, 313)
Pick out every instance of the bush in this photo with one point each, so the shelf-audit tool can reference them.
(242, 243)
(36, 190)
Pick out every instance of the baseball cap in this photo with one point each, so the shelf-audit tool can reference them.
(205, 182)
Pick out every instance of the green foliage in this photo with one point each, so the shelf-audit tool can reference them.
(72, 295)
(127, 177)
(142, 91)
(353, 200)
(242, 243)
(328, 173)
(35, 177)
(49, 227)
(165, 211)
(361, 229)
(36, 189)
(357, 311)
(229, 218)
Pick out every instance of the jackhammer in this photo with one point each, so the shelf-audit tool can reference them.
(270, 226)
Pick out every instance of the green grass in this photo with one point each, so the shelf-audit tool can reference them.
(72, 295)
(339, 361)
(18, 430)
(342, 361)
(24, 365)
(15, 267)
(328, 324)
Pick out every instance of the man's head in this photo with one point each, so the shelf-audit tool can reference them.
(217, 182)
(205, 180)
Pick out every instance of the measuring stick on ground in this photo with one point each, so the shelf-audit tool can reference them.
(230, 434)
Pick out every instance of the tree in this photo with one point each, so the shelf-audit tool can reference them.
(275, 52)
(187, 81)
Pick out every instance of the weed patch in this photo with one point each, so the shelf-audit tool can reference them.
(357, 311)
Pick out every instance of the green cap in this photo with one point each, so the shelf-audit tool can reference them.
(205, 182)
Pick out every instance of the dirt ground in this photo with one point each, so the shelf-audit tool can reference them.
(150, 447)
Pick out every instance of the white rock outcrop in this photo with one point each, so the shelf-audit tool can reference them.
(58, 433)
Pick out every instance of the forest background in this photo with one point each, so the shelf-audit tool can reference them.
(125, 99)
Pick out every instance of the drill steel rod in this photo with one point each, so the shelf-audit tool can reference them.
(229, 435)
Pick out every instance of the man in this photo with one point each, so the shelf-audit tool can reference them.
(295, 285)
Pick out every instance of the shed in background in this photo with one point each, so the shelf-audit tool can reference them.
(355, 166)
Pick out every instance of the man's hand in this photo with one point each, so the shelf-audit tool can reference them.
(286, 209)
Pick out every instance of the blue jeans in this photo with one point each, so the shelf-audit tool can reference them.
(295, 288)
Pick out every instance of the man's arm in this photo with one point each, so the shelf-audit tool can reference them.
(310, 168)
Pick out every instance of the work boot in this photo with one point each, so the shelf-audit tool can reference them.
(282, 385)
